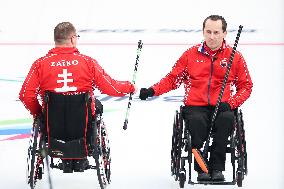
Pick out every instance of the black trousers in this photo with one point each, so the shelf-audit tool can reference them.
(197, 119)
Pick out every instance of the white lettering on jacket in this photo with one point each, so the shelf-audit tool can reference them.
(65, 80)
(64, 63)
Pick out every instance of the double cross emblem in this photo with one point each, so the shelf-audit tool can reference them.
(65, 82)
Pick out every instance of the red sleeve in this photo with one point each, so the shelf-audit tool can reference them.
(29, 91)
(173, 79)
(243, 84)
(109, 86)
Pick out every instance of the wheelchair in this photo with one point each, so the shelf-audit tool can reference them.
(45, 142)
(181, 151)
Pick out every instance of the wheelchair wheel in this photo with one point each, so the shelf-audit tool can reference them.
(241, 150)
(176, 146)
(182, 179)
(189, 150)
(240, 179)
(106, 151)
(177, 163)
(34, 159)
(102, 153)
(242, 131)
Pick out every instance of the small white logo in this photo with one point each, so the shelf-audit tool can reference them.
(224, 63)
(200, 61)
(65, 80)
(57, 153)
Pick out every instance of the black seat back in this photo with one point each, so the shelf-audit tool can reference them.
(66, 119)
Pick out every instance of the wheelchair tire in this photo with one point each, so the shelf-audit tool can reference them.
(40, 172)
(34, 160)
(176, 146)
(189, 149)
(246, 164)
(101, 153)
(182, 179)
(173, 149)
(240, 177)
(243, 142)
(242, 154)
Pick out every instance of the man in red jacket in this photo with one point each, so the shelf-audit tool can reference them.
(65, 70)
(202, 69)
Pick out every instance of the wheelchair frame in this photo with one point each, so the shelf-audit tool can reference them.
(181, 152)
(38, 151)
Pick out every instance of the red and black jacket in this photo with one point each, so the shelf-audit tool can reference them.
(65, 70)
(202, 75)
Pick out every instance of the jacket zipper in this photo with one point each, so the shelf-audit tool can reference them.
(210, 78)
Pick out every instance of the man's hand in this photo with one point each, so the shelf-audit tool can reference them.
(224, 106)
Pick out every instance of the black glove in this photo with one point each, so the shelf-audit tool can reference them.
(224, 106)
(145, 93)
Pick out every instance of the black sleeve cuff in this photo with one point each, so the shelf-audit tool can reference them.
(151, 92)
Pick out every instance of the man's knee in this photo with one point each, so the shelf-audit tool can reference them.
(197, 120)
(198, 129)
(227, 116)
(225, 120)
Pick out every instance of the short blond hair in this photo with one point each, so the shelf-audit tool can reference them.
(63, 31)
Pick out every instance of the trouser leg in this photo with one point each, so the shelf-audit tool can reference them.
(197, 120)
(222, 130)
